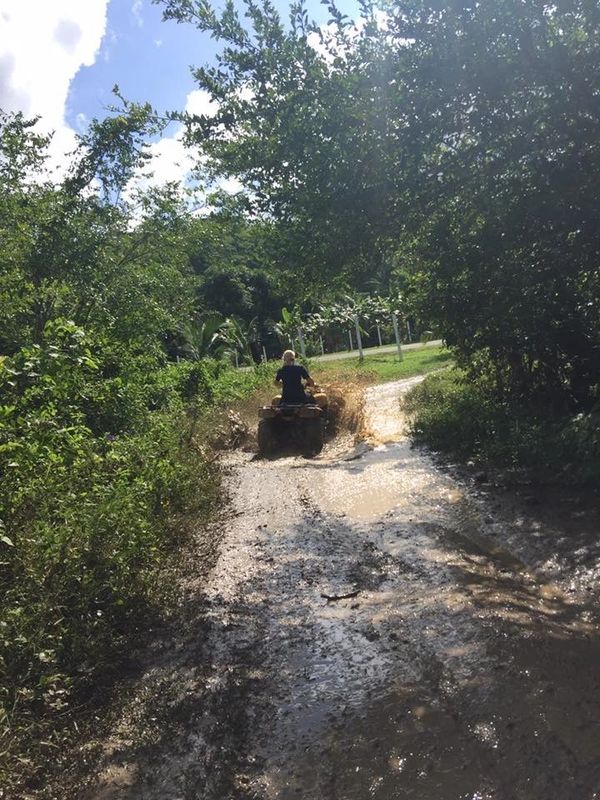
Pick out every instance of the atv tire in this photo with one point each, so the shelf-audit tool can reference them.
(313, 437)
(267, 441)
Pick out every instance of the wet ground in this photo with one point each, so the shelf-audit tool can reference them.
(375, 627)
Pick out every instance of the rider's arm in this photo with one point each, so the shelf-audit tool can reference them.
(307, 378)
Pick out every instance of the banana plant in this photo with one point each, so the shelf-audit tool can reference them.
(202, 337)
(286, 328)
(237, 337)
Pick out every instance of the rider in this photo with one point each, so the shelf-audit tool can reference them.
(290, 376)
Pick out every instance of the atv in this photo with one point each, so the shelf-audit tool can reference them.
(300, 424)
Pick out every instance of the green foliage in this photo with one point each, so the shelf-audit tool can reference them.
(502, 219)
(99, 478)
(85, 517)
(286, 328)
(202, 337)
(452, 413)
(87, 520)
(68, 254)
(448, 150)
(242, 271)
(296, 129)
(232, 385)
(104, 441)
(238, 337)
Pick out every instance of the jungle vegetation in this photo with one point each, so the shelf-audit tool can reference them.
(447, 150)
(443, 153)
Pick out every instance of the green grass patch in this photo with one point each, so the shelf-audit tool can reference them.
(452, 413)
(384, 367)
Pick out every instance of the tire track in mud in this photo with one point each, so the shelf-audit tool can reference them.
(457, 671)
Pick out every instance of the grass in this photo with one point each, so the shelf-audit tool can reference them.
(384, 367)
(451, 413)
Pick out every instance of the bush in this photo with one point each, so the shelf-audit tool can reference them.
(97, 474)
(80, 540)
(453, 413)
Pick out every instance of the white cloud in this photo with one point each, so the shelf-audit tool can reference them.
(245, 94)
(136, 11)
(42, 46)
(327, 44)
(82, 122)
(383, 19)
(199, 102)
(171, 161)
(110, 39)
(231, 185)
(318, 41)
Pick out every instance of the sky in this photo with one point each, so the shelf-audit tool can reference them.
(61, 58)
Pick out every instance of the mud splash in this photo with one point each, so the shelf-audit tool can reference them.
(385, 476)
(457, 668)
(383, 419)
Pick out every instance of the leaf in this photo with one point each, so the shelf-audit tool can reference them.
(7, 540)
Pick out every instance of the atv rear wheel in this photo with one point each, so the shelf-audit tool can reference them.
(313, 437)
(267, 441)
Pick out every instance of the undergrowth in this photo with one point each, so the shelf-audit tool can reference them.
(453, 413)
(102, 477)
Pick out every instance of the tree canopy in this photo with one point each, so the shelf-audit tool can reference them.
(453, 145)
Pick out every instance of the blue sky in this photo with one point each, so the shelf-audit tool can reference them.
(60, 59)
(149, 59)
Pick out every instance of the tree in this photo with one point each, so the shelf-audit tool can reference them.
(301, 131)
(457, 141)
(503, 210)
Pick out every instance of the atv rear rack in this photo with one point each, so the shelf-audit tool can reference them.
(290, 410)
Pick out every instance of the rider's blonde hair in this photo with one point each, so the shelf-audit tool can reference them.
(288, 357)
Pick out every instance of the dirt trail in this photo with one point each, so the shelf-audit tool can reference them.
(465, 665)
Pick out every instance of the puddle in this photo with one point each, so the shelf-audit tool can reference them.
(454, 672)
(383, 420)
(370, 486)
(382, 473)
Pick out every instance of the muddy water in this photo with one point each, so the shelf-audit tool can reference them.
(371, 630)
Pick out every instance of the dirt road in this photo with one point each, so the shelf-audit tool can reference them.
(376, 351)
(463, 662)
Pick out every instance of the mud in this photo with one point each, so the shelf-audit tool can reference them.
(465, 665)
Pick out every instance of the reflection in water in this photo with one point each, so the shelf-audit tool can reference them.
(414, 687)
(382, 480)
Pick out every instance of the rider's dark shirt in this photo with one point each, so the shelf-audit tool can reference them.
(291, 375)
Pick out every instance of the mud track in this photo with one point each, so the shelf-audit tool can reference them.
(461, 659)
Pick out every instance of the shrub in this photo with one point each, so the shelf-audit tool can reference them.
(451, 413)
(98, 473)
(454, 413)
